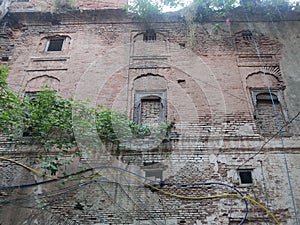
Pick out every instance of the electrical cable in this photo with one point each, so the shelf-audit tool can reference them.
(47, 181)
(161, 183)
(143, 180)
(263, 207)
(111, 174)
(27, 167)
(277, 120)
(267, 141)
(112, 199)
(209, 197)
(143, 209)
(134, 176)
(143, 204)
(43, 195)
(59, 196)
(39, 173)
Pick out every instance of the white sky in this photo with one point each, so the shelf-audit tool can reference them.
(186, 2)
(167, 9)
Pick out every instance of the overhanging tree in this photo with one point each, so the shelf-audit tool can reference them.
(150, 8)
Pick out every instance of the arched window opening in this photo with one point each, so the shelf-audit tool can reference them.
(247, 36)
(54, 44)
(265, 115)
(149, 35)
(150, 99)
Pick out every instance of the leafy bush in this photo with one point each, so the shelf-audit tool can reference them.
(50, 121)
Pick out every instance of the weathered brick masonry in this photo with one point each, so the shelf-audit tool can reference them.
(209, 81)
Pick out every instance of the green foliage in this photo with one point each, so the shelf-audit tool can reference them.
(172, 3)
(105, 120)
(205, 8)
(144, 9)
(202, 9)
(47, 119)
(114, 127)
(147, 9)
(11, 113)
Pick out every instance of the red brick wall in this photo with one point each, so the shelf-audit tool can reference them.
(51, 5)
(101, 4)
(207, 94)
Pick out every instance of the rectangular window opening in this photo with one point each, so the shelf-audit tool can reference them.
(245, 176)
(149, 35)
(247, 36)
(157, 173)
(55, 45)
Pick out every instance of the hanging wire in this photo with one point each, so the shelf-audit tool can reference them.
(277, 117)
(267, 141)
(150, 183)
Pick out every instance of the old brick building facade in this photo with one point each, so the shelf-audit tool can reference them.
(210, 78)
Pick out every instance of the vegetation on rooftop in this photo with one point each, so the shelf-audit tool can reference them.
(202, 8)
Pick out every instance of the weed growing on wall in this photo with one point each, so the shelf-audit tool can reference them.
(202, 10)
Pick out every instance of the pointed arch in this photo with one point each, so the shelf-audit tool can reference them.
(150, 98)
(36, 83)
(257, 80)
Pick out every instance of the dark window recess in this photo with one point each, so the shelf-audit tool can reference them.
(182, 45)
(31, 95)
(28, 128)
(55, 45)
(266, 117)
(181, 81)
(4, 58)
(28, 132)
(266, 97)
(78, 206)
(157, 173)
(149, 35)
(247, 36)
(245, 176)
